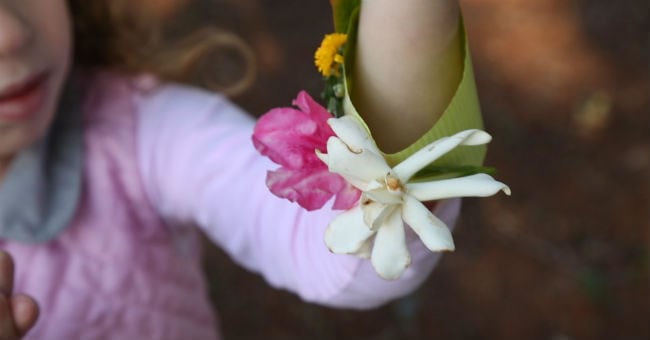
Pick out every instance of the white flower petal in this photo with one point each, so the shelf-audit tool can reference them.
(384, 196)
(475, 137)
(347, 233)
(322, 156)
(425, 156)
(352, 133)
(358, 168)
(478, 185)
(374, 185)
(375, 213)
(366, 249)
(390, 256)
(432, 231)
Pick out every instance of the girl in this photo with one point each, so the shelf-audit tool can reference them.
(104, 173)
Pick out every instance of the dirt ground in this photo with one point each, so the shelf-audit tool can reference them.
(565, 92)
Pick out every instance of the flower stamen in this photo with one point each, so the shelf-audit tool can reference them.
(393, 183)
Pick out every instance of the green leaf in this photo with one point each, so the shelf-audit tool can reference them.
(342, 11)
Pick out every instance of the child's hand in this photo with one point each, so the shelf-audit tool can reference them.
(18, 312)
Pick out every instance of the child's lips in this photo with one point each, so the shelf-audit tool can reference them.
(21, 101)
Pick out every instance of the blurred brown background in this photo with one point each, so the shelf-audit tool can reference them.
(565, 92)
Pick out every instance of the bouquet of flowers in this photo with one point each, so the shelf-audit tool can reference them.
(327, 153)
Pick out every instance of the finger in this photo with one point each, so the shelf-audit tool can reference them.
(6, 273)
(25, 313)
(7, 330)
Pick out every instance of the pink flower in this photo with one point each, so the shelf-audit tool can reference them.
(290, 137)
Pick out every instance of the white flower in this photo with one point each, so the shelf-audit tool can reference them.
(389, 200)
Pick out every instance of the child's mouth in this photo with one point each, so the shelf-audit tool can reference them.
(21, 101)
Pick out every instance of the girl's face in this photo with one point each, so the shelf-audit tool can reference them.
(35, 49)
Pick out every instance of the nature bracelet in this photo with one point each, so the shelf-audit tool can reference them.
(328, 153)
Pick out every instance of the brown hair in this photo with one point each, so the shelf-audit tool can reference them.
(124, 35)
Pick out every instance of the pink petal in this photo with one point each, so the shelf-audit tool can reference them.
(347, 198)
(286, 136)
(307, 104)
(289, 137)
(311, 189)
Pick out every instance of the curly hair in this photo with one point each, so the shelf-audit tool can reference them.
(122, 35)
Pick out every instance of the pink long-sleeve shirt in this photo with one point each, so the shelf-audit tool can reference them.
(160, 161)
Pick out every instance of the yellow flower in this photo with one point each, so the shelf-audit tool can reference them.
(327, 57)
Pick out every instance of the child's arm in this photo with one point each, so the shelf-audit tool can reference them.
(408, 64)
(200, 168)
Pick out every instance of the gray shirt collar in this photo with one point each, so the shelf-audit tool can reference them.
(41, 190)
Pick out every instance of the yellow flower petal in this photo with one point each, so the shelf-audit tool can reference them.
(327, 57)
